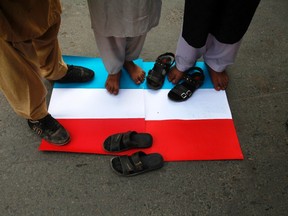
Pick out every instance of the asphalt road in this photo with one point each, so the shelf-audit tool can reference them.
(39, 183)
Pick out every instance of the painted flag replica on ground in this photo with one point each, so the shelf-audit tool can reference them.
(200, 128)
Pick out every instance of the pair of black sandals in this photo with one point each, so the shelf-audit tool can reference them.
(137, 163)
(192, 79)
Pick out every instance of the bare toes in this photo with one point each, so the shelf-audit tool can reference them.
(112, 83)
(135, 72)
(220, 80)
(175, 75)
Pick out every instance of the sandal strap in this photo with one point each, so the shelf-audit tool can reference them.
(126, 139)
(197, 69)
(115, 142)
(160, 69)
(155, 77)
(162, 65)
(157, 73)
(195, 78)
(131, 164)
(137, 161)
(182, 91)
(121, 140)
(190, 79)
(127, 166)
(165, 55)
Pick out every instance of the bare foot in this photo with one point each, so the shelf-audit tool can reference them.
(135, 72)
(219, 79)
(112, 83)
(175, 75)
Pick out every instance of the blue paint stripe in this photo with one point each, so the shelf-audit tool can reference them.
(97, 65)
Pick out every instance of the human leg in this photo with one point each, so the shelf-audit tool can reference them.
(218, 57)
(112, 52)
(134, 47)
(186, 57)
(20, 80)
(22, 86)
(50, 61)
(51, 64)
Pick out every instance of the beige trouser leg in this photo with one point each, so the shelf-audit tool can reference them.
(23, 64)
(115, 50)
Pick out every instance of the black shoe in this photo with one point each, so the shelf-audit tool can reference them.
(50, 129)
(77, 74)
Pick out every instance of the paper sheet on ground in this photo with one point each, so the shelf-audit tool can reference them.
(201, 128)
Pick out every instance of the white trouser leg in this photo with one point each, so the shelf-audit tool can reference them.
(219, 55)
(186, 55)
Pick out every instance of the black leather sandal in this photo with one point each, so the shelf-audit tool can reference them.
(137, 163)
(128, 140)
(192, 80)
(156, 75)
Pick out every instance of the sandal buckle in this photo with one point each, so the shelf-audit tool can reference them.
(186, 94)
(183, 95)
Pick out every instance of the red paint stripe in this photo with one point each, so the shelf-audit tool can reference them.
(176, 140)
(88, 135)
(195, 140)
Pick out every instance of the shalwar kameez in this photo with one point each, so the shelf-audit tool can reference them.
(29, 50)
(120, 28)
(213, 29)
